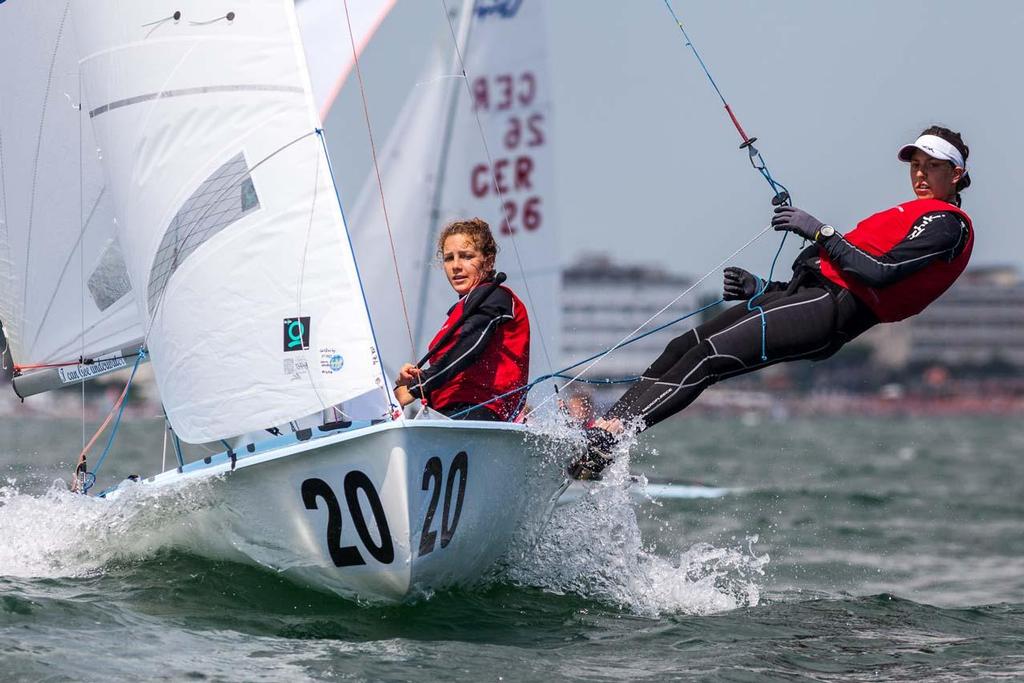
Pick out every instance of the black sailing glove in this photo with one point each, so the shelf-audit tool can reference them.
(738, 284)
(796, 220)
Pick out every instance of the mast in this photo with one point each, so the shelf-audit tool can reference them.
(465, 25)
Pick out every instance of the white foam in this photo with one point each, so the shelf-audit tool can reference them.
(60, 533)
(593, 547)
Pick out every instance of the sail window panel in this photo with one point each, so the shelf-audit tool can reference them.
(109, 282)
(221, 200)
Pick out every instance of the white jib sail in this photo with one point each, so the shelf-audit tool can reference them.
(64, 287)
(325, 36)
(226, 211)
(434, 158)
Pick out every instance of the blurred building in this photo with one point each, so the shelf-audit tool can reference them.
(978, 322)
(604, 302)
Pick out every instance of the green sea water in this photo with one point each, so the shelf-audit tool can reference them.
(862, 549)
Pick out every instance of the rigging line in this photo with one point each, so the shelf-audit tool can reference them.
(782, 195)
(451, 101)
(560, 374)
(39, 145)
(302, 265)
(382, 384)
(689, 289)
(80, 361)
(756, 160)
(497, 188)
(117, 404)
(3, 184)
(81, 252)
(77, 246)
(380, 183)
(7, 345)
(121, 404)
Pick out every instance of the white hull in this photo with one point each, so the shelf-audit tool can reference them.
(420, 506)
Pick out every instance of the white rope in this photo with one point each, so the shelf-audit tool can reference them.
(647, 322)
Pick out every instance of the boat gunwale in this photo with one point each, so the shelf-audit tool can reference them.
(290, 444)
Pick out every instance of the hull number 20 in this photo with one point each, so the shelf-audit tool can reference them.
(349, 555)
(451, 487)
(433, 478)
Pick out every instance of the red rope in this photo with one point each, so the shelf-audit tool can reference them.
(80, 467)
(380, 184)
(736, 122)
(19, 368)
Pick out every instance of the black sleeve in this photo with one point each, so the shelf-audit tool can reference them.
(470, 340)
(936, 235)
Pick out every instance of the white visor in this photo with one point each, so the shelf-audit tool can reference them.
(935, 147)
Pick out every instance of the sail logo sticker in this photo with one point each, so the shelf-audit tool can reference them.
(330, 361)
(296, 333)
(506, 9)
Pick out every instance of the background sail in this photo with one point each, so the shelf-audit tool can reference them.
(435, 155)
(64, 287)
(226, 211)
(325, 37)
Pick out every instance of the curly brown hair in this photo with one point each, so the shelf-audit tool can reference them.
(475, 229)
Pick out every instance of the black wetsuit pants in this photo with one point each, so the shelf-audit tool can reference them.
(804, 322)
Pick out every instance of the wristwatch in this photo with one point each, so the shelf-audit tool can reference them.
(825, 231)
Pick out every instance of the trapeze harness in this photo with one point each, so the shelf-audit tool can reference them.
(488, 356)
(891, 266)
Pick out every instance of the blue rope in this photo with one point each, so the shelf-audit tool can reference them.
(560, 374)
(762, 286)
(759, 165)
(91, 478)
(782, 195)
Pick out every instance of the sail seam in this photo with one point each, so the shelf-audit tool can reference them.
(39, 146)
(184, 92)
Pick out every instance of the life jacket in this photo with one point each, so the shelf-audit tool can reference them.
(504, 365)
(876, 235)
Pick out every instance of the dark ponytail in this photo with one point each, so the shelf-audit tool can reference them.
(953, 138)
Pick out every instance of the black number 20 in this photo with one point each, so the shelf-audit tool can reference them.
(349, 556)
(432, 473)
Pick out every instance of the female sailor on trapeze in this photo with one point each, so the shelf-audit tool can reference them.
(890, 267)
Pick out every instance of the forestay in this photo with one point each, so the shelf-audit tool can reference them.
(64, 287)
(435, 168)
(226, 210)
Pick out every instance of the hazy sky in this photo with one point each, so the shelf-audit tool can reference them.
(647, 161)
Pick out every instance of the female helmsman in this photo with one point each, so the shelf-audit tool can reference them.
(488, 354)
(890, 267)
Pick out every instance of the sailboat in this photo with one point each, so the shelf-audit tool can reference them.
(226, 262)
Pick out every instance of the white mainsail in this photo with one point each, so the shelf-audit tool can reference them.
(435, 168)
(64, 288)
(325, 36)
(226, 211)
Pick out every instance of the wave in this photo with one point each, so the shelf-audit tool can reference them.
(63, 534)
(592, 547)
